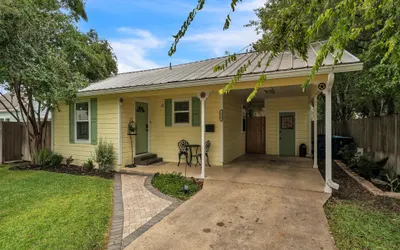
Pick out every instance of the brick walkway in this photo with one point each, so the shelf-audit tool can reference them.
(140, 205)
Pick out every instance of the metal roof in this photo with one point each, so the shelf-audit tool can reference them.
(203, 70)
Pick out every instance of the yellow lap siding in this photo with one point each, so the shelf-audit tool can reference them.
(164, 140)
(234, 138)
(297, 104)
(107, 128)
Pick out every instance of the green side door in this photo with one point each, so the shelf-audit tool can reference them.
(287, 133)
(142, 127)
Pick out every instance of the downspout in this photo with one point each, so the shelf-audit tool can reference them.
(329, 184)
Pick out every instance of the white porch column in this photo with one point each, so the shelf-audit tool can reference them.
(315, 116)
(329, 184)
(203, 97)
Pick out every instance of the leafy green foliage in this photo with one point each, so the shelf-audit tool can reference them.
(104, 155)
(393, 180)
(46, 59)
(43, 158)
(348, 152)
(88, 165)
(172, 184)
(44, 210)
(370, 29)
(56, 160)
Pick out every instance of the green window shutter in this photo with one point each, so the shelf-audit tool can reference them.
(168, 112)
(93, 120)
(72, 123)
(196, 109)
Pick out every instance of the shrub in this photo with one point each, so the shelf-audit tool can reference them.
(56, 160)
(172, 184)
(43, 158)
(104, 155)
(348, 152)
(68, 161)
(88, 165)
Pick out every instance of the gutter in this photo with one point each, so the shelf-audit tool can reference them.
(223, 80)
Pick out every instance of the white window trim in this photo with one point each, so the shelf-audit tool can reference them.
(89, 120)
(190, 111)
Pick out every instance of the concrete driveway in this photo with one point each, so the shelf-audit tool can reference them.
(270, 209)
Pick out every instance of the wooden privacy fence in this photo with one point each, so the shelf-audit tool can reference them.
(380, 135)
(14, 141)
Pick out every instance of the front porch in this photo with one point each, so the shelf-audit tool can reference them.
(265, 170)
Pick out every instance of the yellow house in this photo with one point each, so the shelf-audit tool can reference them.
(182, 102)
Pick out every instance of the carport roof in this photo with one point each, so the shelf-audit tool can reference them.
(201, 72)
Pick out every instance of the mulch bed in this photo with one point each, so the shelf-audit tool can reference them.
(72, 169)
(350, 189)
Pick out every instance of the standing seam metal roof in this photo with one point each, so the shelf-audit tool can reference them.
(200, 70)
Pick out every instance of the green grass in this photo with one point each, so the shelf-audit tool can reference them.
(43, 210)
(355, 226)
(172, 185)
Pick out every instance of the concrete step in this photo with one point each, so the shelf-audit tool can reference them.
(150, 161)
(144, 157)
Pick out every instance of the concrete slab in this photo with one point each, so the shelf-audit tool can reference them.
(226, 215)
(256, 202)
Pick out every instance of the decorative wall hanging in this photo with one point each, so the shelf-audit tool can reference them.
(287, 122)
(140, 109)
(322, 86)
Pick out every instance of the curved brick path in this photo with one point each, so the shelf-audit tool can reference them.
(137, 207)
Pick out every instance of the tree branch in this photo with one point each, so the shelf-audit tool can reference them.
(12, 105)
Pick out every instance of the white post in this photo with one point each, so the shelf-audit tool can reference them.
(203, 138)
(329, 184)
(315, 116)
(203, 97)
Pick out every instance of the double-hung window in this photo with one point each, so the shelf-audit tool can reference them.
(82, 121)
(181, 111)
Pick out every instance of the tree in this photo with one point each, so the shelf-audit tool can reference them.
(45, 59)
(370, 28)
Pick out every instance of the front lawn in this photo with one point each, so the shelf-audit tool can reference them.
(356, 226)
(172, 185)
(43, 210)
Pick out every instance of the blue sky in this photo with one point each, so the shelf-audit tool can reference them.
(140, 31)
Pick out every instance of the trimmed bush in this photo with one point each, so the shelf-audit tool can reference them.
(56, 160)
(88, 165)
(104, 155)
(43, 158)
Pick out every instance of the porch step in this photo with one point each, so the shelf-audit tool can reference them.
(147, 159)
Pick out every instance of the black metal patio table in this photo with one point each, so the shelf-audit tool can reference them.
(191, 146)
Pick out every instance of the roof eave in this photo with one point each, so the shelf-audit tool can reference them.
(222, 80)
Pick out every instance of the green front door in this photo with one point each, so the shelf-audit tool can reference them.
(142, 127)
(287, 133)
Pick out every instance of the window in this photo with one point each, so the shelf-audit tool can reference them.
(181, 114)
(82, 121)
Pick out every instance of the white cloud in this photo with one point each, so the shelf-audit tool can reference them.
(132, 52)
(219, 41)
(232, 40)
(251, 5)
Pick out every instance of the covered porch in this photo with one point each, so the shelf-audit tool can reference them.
(266, 170)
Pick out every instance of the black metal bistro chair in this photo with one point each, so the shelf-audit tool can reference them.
(198, 154)
(183, 146)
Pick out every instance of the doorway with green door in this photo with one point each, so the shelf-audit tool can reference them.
(142, 127)
(287, 133)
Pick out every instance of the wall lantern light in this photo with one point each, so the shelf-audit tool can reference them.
(132, 127)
